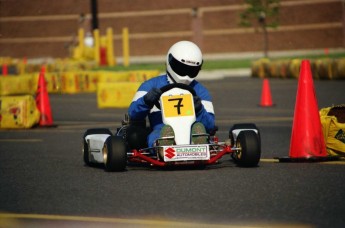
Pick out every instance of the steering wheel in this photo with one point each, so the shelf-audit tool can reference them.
(175, 85)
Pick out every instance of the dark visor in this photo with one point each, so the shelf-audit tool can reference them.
(183, 69)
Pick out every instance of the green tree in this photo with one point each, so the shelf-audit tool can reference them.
(264, 13)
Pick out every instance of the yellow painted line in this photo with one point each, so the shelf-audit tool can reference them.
(269, 160)
(117, 115)
(86, 125)
(118, 221)
(255, 119)
(341, 161)
(21, 140)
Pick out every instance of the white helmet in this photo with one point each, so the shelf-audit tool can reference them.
(184, 61)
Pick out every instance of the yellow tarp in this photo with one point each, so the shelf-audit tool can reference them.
(334, 133)
(116, 95)
(18, 112)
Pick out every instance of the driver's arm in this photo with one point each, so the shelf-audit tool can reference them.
(138, 110)
(206, 115)
(143, 102)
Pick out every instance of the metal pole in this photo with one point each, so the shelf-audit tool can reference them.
(94, 13)
(197, 26)
(343, 7)
(125, 46)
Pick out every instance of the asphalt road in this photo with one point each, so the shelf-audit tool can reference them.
(44, 182)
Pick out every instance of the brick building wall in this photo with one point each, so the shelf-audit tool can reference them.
(45, 28)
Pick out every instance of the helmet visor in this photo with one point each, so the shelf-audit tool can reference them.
(183, 69)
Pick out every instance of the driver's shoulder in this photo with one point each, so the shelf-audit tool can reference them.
(156, 82)
(198, 86)
(200, 89)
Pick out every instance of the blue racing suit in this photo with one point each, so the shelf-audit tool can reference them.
(138, 110)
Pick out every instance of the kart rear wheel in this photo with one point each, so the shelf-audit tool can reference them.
(114, 154)
(86, 152)
(249, 151)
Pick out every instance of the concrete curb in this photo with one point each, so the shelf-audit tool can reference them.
(207, 75)
(221, 74)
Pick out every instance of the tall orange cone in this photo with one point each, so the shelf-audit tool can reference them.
(42, 102)
(266, 97)
(307, 141)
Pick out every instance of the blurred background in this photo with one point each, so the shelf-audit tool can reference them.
(44, 28)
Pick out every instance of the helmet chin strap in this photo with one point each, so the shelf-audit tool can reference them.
(172, 79)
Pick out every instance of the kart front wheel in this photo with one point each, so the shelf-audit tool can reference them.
(86, 151)
(249, 151)
(114, 154)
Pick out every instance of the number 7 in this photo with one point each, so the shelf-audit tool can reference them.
(178, 105)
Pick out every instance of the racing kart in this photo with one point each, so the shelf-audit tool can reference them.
(129, 143)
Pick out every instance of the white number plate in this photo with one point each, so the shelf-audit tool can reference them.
(186, 153)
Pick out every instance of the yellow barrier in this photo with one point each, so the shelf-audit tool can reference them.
(14, 85)
(111, 76)
(18, 112)
(116, 95)
(53, 82)
(126, 76)
(324, 68)
(78, 82)
(142, 75)
(70, 82)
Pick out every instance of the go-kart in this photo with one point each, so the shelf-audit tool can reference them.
(129, 144)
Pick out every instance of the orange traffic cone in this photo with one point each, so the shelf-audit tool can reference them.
(42, 102)
(43, 70)
(266, 98)
(307, 141)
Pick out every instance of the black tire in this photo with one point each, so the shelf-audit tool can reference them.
(93, 131)
(115, 155)
(250, 149)
(242, 126)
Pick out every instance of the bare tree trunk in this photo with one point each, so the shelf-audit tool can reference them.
(265, 33)
(343, 7)
(197, 27)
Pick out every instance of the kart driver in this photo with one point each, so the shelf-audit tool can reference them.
(183, 63)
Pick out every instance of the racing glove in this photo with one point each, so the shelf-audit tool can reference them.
(152, 97)
(197, 104)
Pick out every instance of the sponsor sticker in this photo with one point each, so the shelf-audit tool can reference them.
(186, 153)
